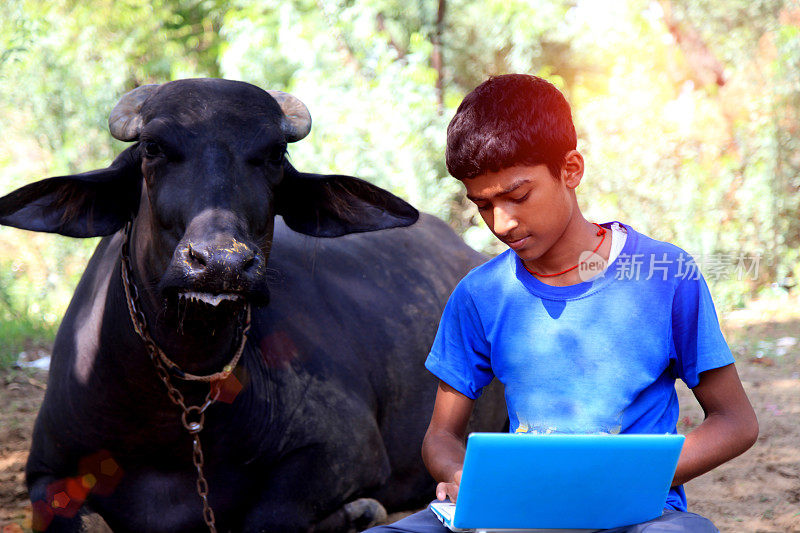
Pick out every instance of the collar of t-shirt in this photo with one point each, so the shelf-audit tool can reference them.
(618, 236)
(622, 238)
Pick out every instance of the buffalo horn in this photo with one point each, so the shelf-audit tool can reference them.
(297, 119)
(125, 122)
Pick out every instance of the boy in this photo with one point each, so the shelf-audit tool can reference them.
(586, 325)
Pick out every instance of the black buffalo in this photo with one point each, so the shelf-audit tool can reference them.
(319, 425)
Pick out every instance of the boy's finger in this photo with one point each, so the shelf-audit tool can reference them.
(452, 491)
(441, 491)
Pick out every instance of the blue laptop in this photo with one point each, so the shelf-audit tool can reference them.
(514, 482)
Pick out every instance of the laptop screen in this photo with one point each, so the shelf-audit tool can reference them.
(564, 481)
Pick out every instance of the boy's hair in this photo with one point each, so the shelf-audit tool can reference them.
(510, 120)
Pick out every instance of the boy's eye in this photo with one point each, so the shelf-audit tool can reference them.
(483, 207)
(521, 198)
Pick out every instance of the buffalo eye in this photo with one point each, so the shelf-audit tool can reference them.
(276, 154)
(152, 150)
(272, 156)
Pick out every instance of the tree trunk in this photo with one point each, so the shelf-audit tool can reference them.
(704, 66)
(437, 61)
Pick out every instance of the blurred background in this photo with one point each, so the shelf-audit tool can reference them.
(687, 113)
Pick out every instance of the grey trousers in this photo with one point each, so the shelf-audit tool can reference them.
(671, 521)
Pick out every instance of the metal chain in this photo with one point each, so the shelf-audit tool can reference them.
(157, 356)
(202, 484)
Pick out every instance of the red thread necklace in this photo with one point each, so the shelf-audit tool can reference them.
(601, 232)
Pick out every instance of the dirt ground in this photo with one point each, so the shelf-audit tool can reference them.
(756, 492)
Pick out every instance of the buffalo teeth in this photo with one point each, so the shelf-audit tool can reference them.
(211, 299)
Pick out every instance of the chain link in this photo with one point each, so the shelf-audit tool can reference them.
(158, 358)
(202, 484)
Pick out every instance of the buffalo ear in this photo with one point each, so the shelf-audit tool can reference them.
(334, 205)
(90, 204)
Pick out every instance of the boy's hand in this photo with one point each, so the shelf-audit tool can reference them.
(444, 489)
(443, 446)
(730, 426)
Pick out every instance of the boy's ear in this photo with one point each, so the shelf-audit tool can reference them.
(89, 204)
(334, 205)
(573, 169)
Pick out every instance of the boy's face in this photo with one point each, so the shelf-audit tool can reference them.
(524, 206)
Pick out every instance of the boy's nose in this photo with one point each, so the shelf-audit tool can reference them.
(503, 221)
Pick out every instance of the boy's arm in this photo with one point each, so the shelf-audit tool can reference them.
(443, 447)
(730, 426)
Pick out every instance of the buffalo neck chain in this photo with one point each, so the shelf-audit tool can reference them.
(192, 416)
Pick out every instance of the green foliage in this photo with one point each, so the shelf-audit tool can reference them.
(26, 317)
(713, 168)
(21, 327)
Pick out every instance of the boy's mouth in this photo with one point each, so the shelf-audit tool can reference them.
(517, 244)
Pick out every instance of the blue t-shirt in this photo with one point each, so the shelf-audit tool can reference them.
(600, 356)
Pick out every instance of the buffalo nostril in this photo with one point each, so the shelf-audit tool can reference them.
(197, 256)
(248, 260)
